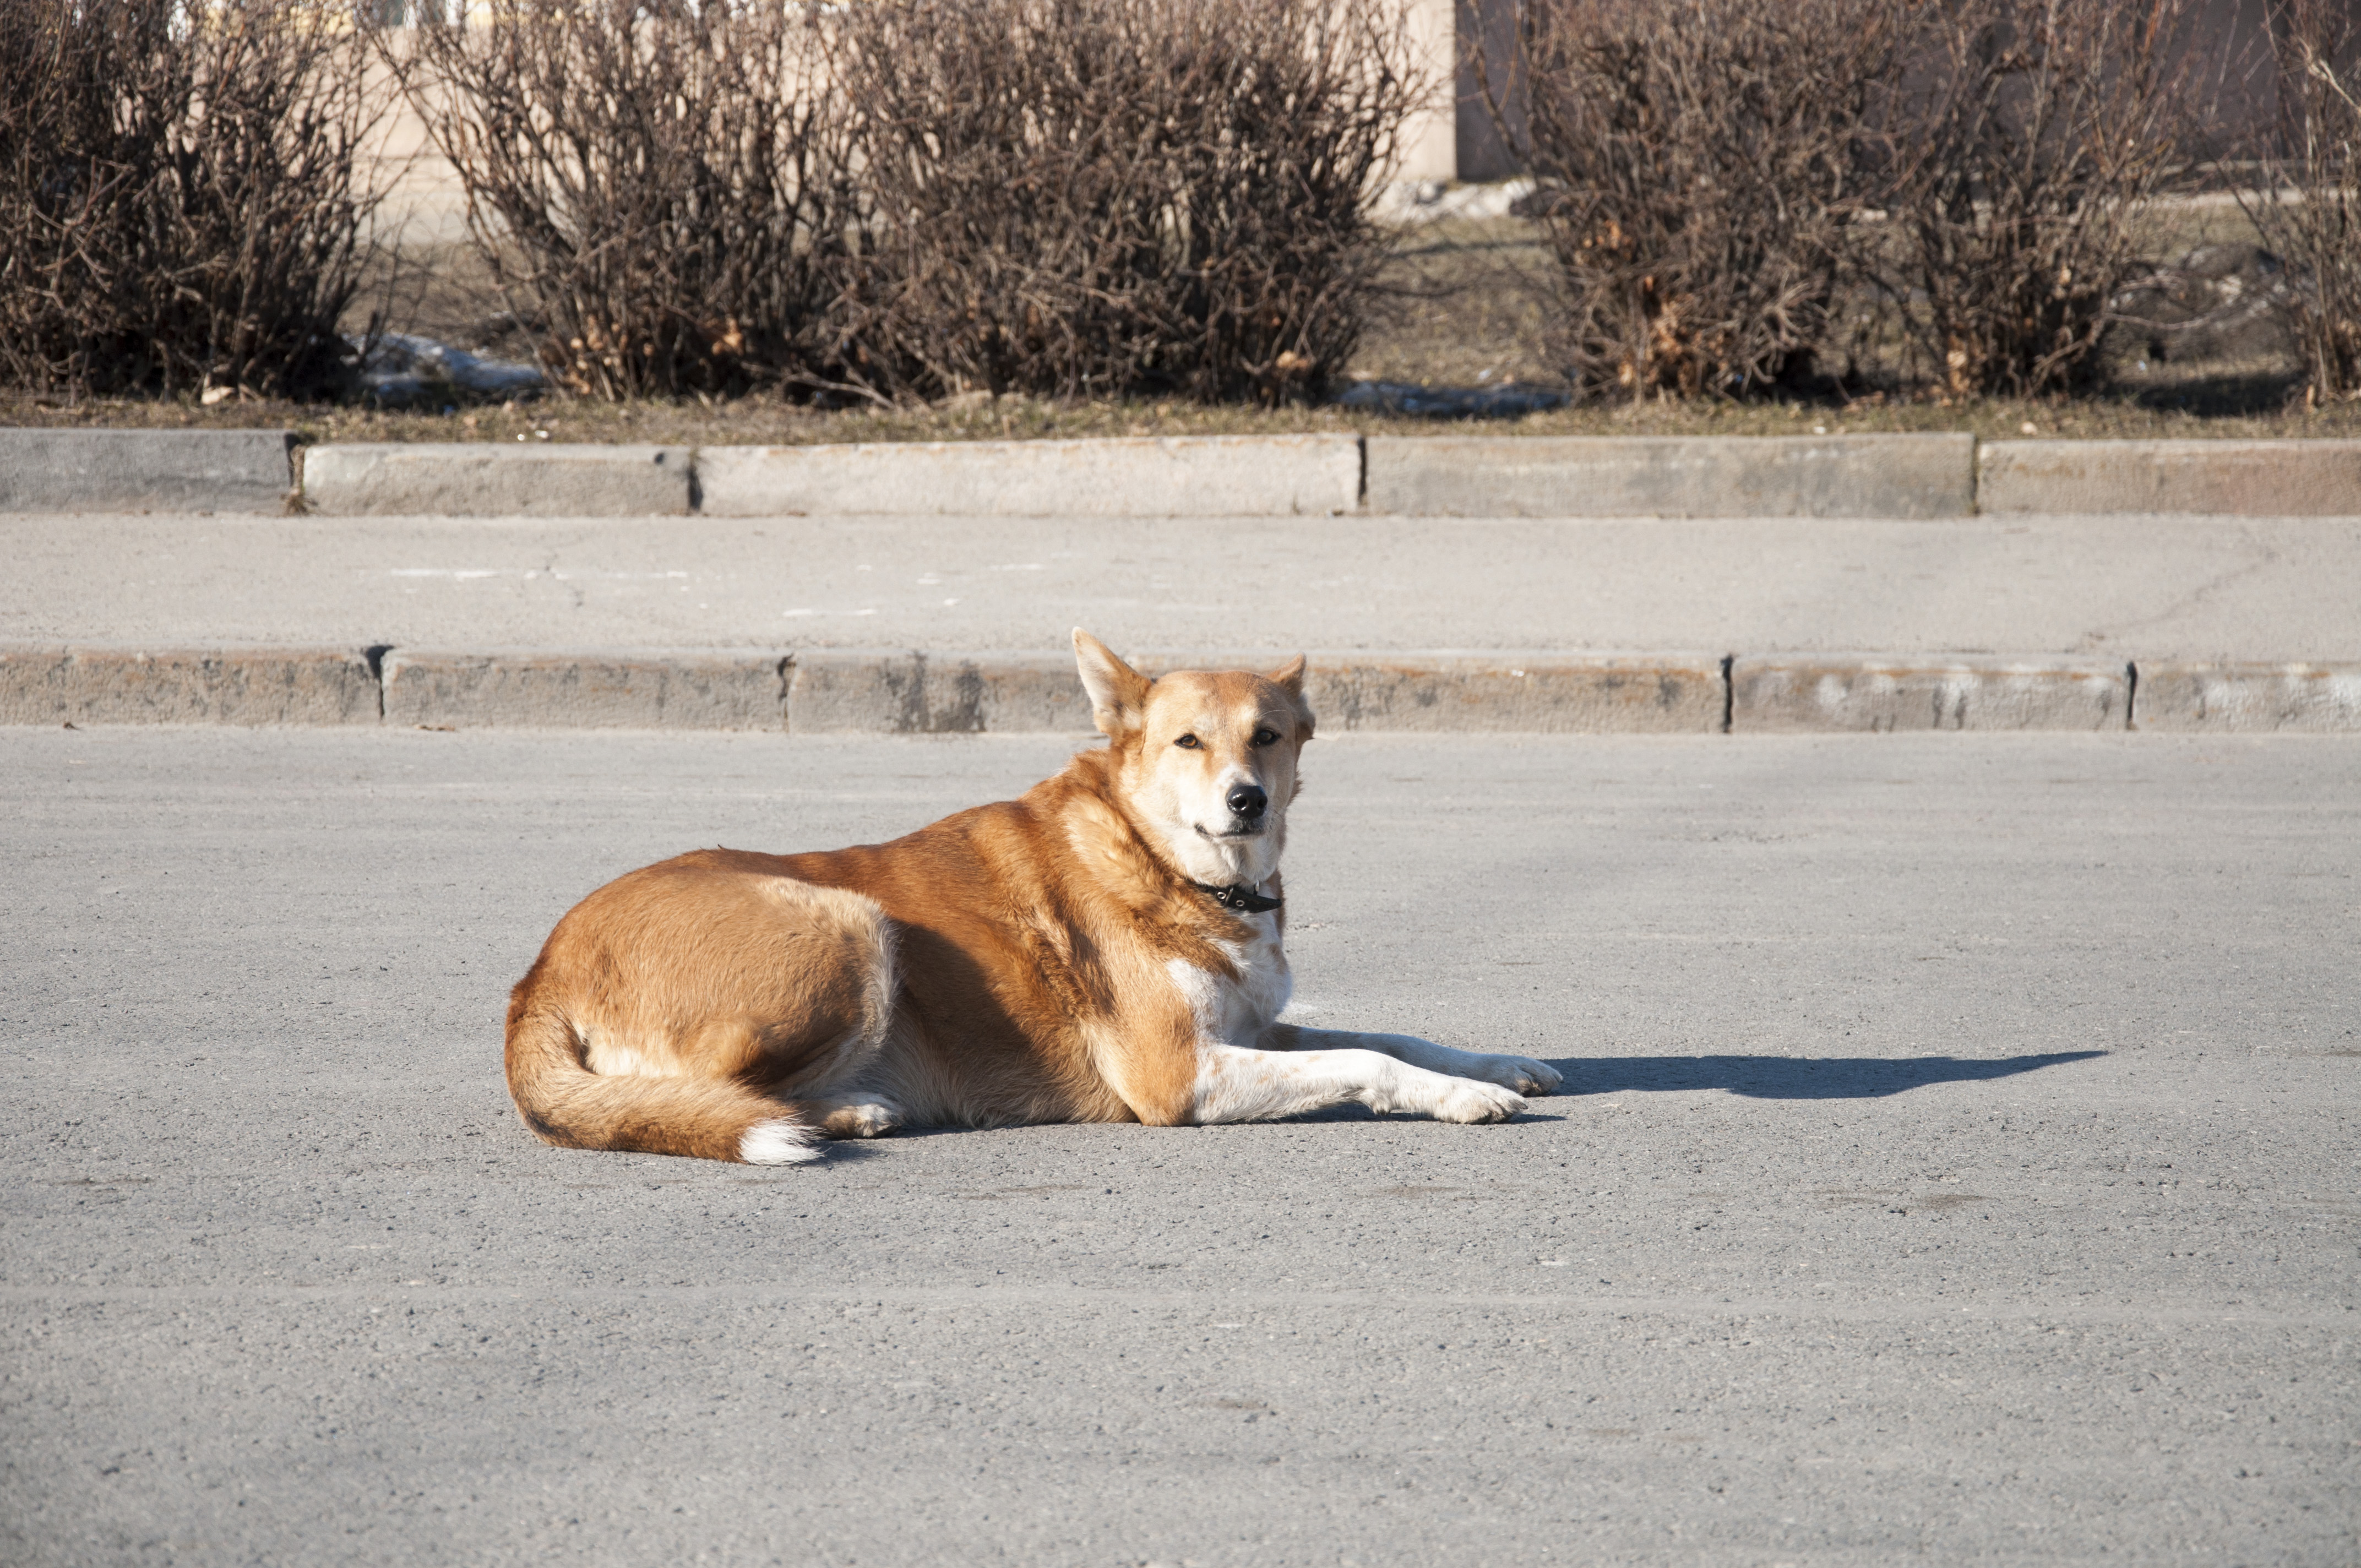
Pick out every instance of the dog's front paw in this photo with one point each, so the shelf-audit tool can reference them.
(861, 1119)
(1468, 1100)
(1523, 1074)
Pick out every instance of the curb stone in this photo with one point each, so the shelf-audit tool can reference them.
(261, 685)
(146, 470)
(640, 689)
(2229, 698)
(2229, 478)
(1672, 475)
(1822, 691)
(1658, 693)
(906, 692)
(863, 690)
(1216, 476)
(483, 479)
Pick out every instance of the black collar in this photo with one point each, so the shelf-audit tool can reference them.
(1238, 896)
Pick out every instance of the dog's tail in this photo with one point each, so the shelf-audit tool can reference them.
(567, 1104)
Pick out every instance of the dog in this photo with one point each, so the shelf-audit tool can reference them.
(1105, 948)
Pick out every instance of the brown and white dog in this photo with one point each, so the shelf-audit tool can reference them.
(1105, 948)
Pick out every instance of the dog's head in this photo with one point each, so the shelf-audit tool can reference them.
(1207, 759)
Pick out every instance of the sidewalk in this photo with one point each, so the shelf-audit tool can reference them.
(2072, 598)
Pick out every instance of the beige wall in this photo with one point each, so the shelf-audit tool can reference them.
(1431, 141)
(426, 201)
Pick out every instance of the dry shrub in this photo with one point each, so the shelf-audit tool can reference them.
(1093, 197)
(1701, 170)
(181, 206)
(2315, 159)
(2026, 140)
(660, 187)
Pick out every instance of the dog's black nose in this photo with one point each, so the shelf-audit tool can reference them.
(1248, 800)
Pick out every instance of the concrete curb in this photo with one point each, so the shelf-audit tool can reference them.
(868, 690)
(906, 692)
(1833, 475)
(902, 691)
(1662, 694)
(258, 685)
(1900, 476)
(635, 690)
(2234, 479)
(1224, 476)
(2226, 698)
(145, 470)
(1866, 692)
(479, 479)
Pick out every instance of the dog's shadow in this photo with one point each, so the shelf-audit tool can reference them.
(1797, 1077)
(1764, 1077)
(1756, 1078)
(1759, 1078)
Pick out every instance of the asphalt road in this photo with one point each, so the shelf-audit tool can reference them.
(1962, 1170)
(2141, 586)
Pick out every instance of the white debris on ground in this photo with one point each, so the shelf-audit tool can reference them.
(1408, 202)
(399, 369)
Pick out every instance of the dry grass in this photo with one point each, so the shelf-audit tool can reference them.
(2214, 408)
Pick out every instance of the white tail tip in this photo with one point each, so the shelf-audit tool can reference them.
(782, 1142)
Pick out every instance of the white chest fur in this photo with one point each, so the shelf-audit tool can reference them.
(1235, 1011)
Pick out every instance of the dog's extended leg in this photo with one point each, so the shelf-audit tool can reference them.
(1523, 1074)
(1236, 1084)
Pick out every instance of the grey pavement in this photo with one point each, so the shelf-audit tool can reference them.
(1961, 1171)
(2142, 586)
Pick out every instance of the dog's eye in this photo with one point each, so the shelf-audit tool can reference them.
(1265, 737)
(1187, 743)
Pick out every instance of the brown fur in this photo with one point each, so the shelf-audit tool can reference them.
(1004, 965)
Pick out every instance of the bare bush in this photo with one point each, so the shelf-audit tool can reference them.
(180, 202)
(660, 187)
(2026, 141)
(1700, 172)
(2315, 162)
(1080, 197)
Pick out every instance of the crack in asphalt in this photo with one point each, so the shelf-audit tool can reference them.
(2114, 634)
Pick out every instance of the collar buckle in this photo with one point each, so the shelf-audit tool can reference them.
(1238, 896)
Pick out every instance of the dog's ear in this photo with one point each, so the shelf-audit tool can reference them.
(1118, 692)
(1288, 678)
